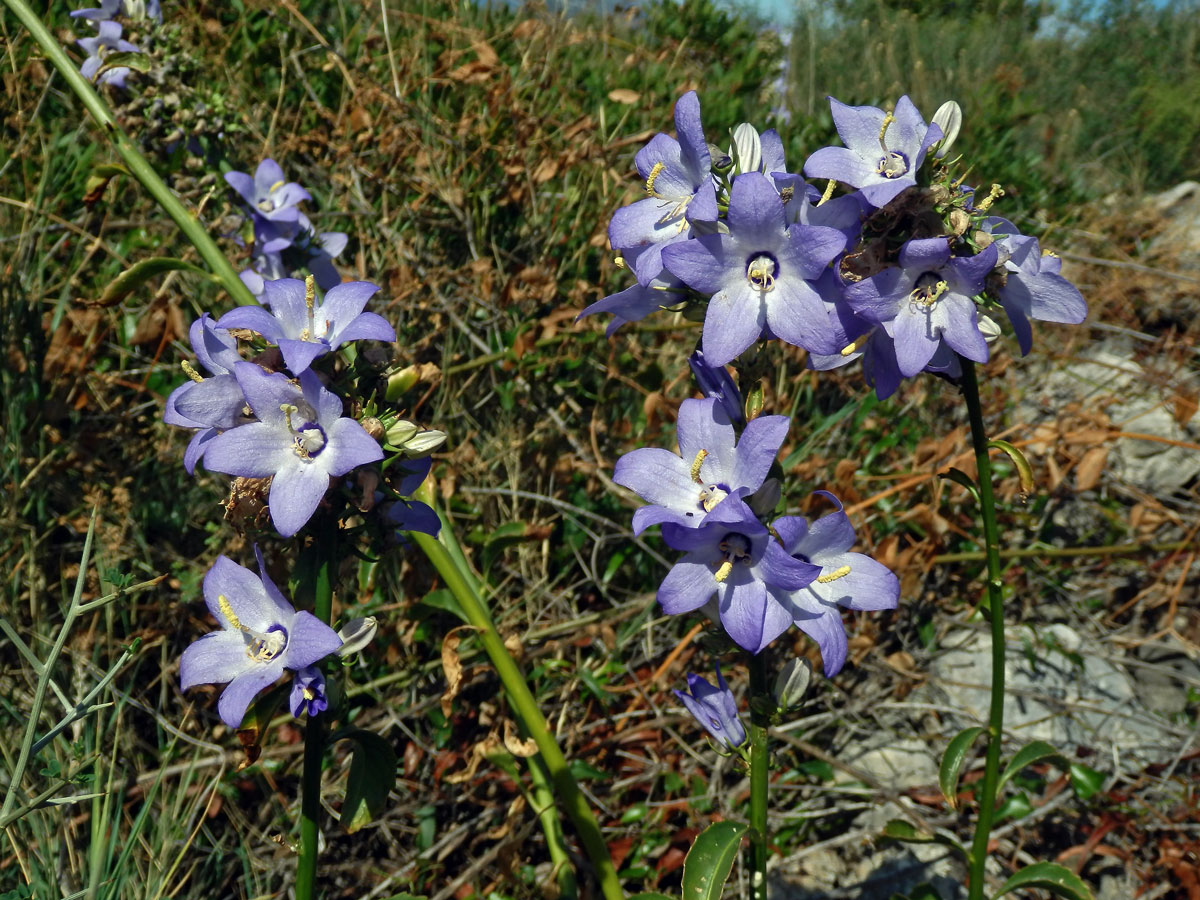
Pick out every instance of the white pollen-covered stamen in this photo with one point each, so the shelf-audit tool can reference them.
(710, 496)
(266, 646)
(311, 333)
(760, 272)
(307, 440)
(891, 165)
(928, 290)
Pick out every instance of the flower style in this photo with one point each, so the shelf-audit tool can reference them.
(883, 150)
(268, 193)
(685, 488)
(715, 708)
(678, 179)
(852, 580)
(1029, 286)
(261, 635)
(301, 439)
(926, 300)
(308, 693)
(759, 274)
(210, 405)
(107, 40)
(304, 329)
(733, 556)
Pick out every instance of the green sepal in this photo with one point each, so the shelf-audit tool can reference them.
(953, 760)
(707, 864)
(1049, 877)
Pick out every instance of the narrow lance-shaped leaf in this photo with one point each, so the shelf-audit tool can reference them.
(1031, 753)
(372, 776)
(1056, 879)
(953, 760)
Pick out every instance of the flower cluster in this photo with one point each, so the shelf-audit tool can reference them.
(902, 269)
(110, 36)
(713, 500)
(285, 241)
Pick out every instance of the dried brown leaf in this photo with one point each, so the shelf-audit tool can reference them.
(514, 744)
(452, 667)
(623, 95)
(1090, 468)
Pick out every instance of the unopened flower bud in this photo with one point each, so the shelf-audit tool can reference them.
(424, 443)
(766, 498)
(373, 427)
(988, 328)
(400, 432)
(399, 382)
(792, 683)
(949, 118)
(356, 634)
(747, 148)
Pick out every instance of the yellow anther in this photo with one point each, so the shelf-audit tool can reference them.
(696, 463)
(276, 186)
(227, 611)
(857, 344)
(921, 298)
(191, 372)
(993, 195)
(288, 410)
(619, 262)
(309, 693)
(653, 177)
(834, 575)
(787, 194)
(1049, 253)
(828, 192)
(723, 572)
(887, 120)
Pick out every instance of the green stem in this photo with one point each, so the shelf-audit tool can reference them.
(991, 534)
(316, 569)
(462, 584)
(137, 164)
(760, 765)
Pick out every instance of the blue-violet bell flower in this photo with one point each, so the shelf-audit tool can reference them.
(713, 464)
(210, 405)
(1029, 286)
(653, 291)
(304, 329)
(926, 300)
(408, 514)
(883, 151)
(733, 556)
(715, 708)
(268, 193)
(758, 275)
(261, 635)
(307, 696)
(850, 580)
(678, 179)
(107, 40)
(301, 440)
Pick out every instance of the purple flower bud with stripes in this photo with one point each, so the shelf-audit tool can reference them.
(733, 556)
(713, 465)
(715, 709)
(716, 383)
(210, 405)
(846, 579)
(758, 275)
(261, 635)
(301, 440)
(883, 150)
(305, 329)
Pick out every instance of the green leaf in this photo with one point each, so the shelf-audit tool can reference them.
(952, 762)
(650, 895)
(1085, 780)
(923, 891)
(1015, 807)
(1031, 753)
(900, 830)
(131, 59)
(708, 862)
(404, 895)
(141, 272)
(372, 775)
(444, 600)
(1024, 470)
(1049, 877)
(958, 476)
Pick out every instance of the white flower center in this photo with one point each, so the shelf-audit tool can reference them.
(308, 438)
(929, 288)
(263, 646)
(761, 271)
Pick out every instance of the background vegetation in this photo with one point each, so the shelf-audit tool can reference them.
(474, 154)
